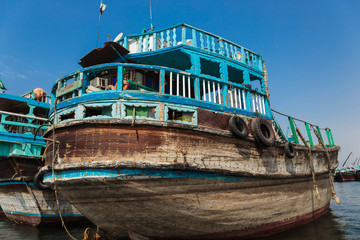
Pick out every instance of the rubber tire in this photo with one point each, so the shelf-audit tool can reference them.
(289, 150)
(238, 127)
(38, 181)
(263, 132)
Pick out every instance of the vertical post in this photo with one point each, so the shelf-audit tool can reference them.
(225, 94)
(236, 98)
(174, 37)
(183, 83)
(146, 48)
(309, 134)
(293, 130)
(219, 93)
(204, 89)
(97, 42)
(246, 76)
(318, 129)
(221, 44)
(331, 136)
(183, 35)
(209, 92)
(193, 41)
(120, 77)
(162, 81)
(126, 42)
(171, 84)
(197, 88)
(154, 41)
(328, 136)
(189, 87)
(214, 91)
(177, 85)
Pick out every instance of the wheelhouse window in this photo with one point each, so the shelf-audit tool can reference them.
(210, 68)
(235, 75)
(141, 80)
(103, 80)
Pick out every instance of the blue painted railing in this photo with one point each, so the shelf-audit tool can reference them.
(188, 35)
(171, 82)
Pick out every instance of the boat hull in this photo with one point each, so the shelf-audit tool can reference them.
(22, 202)
(190, 205)
(175, 181)
(345, 176)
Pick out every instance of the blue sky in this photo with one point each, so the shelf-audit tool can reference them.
(311, 48)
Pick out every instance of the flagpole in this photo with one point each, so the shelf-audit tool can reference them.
(97, 42)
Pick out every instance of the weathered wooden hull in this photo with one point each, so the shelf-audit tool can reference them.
(192, 205)
(175, 182)
(22, 202)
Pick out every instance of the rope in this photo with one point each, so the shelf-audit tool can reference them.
(53, 176)
(133, 117)
(266, 81)
(311, 164)
(42, 159)
(331, 178)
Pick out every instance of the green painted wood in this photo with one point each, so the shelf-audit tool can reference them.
(331, 137)
(309, 134)
(318, 130)
(293, 130)
(69, 88)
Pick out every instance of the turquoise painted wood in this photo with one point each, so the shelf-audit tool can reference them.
(17, 129)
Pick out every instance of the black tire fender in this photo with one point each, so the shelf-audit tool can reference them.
(289, 150)
(238, 127)
(38, 181)
(263, 132)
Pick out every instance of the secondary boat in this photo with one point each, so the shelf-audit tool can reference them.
(22, 123)
(169, 134)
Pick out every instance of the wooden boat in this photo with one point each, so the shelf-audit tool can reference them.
(346, 174)
(21, 149)
(166, 152)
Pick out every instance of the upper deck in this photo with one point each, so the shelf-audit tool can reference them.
(22, 122)
(202, 41)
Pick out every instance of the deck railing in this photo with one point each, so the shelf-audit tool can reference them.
(309, 128)
(188, 35)
(21, 124)
(175, 83)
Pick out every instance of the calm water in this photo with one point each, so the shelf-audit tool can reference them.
(342, 222)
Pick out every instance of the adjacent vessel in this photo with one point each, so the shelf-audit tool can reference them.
(169, 134)
(22, 123)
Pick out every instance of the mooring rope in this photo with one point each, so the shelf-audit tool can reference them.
(331, 178)
(54, 178)
(311, 163)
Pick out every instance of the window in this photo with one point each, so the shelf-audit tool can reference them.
(210, 68)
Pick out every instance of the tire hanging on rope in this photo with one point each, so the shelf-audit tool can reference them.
(238, 127)
(38, 181)
(289, 150)
(263, 132)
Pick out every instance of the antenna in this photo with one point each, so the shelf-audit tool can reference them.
(118, 37)
(347, 159)
(150, 17)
